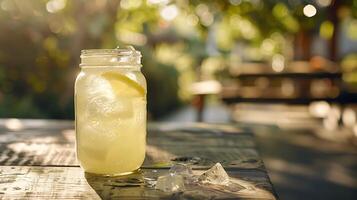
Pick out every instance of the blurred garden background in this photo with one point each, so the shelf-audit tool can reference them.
(182, 42)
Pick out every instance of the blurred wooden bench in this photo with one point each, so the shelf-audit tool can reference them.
(200, 90)
(235, 93)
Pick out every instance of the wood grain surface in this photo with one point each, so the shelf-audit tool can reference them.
(23, 182)
(37, 161)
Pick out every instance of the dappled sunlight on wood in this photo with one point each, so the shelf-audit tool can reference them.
(13, 124)
(39, 153)
(69, 135)
(337, 174)
(158, 155)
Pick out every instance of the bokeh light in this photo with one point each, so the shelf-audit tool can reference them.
(163, 2)
(55, 5)
(309, 10)
(319, 109)
(278, 63)
(324, 3)
(326, 29)
(169, 12)
(348, 117)
(352, 29)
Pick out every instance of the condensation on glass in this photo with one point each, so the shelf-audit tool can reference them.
(110, 111)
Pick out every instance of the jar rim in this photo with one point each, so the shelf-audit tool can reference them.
(110, 57)
(127, 51)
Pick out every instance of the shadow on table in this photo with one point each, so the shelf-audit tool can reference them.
(132, 186)
(140, 185)
(118, 187)
(303, 165)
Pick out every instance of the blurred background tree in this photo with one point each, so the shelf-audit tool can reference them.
(182, 41)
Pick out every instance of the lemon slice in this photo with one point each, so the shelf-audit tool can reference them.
(124, 86)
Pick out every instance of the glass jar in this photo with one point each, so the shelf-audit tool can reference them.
(110, 111)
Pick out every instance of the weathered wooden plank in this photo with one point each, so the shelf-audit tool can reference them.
(202, 156)
(23, 182)
(198, 127)
(21, 153)
(188, 137)
(62, 132)
(28, 124)
(206, 144)
(157, 156)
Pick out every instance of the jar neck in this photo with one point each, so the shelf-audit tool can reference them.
(101, 68)
(121, 58)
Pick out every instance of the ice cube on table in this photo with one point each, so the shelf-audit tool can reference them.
(150, 182)
(215, 175)
(185, 171)
(181, 169)
(170, 183)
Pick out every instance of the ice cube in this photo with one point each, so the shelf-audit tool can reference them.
(99, 95)
(181, 169)
(215, 175)
(95, 144)
(150, 182)
(170, 183)
(150, 178)
(103, 102)
(97, 86)
(185, 171)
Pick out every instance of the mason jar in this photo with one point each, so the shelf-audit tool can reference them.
(110, 111)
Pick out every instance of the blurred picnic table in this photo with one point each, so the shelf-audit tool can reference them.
(38, 161)
(296, 82)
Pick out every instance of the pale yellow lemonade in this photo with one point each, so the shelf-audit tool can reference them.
(110, 119)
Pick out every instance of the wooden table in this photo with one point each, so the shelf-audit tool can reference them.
(38, 161)
(301, 89)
